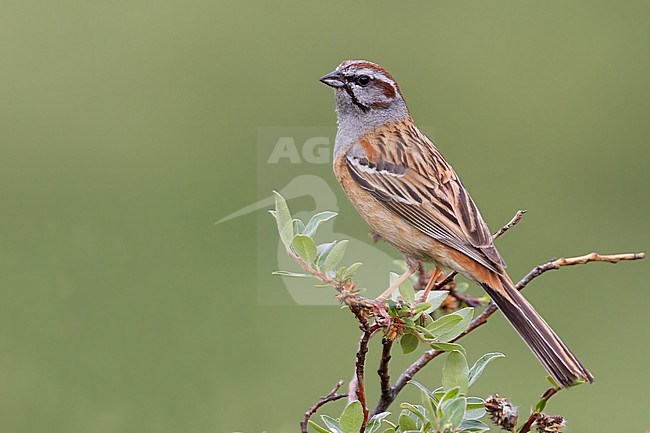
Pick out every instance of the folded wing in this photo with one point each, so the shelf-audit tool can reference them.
(421, 188)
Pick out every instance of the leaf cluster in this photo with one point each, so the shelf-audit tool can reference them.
(317, 259)
(446, 409)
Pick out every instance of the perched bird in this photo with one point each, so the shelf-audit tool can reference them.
(405, 190)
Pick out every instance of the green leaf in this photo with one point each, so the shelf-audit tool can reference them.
(418, 411)
(477, 413)
(453, 412)
(317, 220)
(290, 274)
(406, 290)
(552, 381)
(466, 317)
(392, 276)
(425, 332)
(283, 217)
(421, 307)
(478, 367)
(305, 248)
(409, 343)
(335, 256)
(438, 393)
(473, 426)
(422, 387)
(298, 226)
(332, 424)
(351, 418)
(541, 404)
(475, 408)
(455, 372)
(436, 298)
(448, 347)
(474, 402)
(406, 422)
(316, 427)
(322, 251)
(444, 324)
(374, 423)
(429, 409)
(351, 270)
(445, 397)
(408, 323)
(450, 394)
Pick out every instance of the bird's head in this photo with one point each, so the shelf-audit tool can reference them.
(365, 89)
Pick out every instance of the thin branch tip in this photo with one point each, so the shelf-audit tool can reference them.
(331, 396)
(513, 222)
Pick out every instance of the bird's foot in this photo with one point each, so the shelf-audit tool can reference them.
(432, 281)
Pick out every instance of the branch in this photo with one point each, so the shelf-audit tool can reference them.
(513, 222)
(467, 300)
(358, 385)
(384, 377)
(581, 260)
(482, 318)
(332, 396)
(538, 408)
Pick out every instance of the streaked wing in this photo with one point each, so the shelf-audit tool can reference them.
(421, 188)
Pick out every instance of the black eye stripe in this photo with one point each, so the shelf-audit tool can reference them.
(362, 80)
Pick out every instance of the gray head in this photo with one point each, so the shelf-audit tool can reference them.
(366, 96)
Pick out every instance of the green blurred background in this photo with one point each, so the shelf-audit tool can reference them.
(129, 127)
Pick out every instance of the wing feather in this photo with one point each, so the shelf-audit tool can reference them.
(420, 187)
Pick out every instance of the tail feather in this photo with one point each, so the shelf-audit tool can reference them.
(556, 358)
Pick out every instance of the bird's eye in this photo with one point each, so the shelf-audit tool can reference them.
(363, 80)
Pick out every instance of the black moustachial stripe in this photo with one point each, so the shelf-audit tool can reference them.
(355, 101)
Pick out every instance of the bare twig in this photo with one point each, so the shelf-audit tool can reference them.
(359, 367)
(513, 222)
(332, 396)
(314, 272)
(482, 318)
(448, 279)
(467, 300)
(581, 260)
(535, 413)
(384, 377)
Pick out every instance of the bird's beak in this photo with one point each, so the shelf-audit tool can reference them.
(333, 79)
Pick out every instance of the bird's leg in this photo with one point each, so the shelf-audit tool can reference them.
(432, 281)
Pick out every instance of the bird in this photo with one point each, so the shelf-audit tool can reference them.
(402, 186)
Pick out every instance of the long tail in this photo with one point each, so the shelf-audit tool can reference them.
(556, 358)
